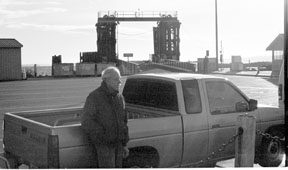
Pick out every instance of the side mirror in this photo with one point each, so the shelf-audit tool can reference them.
(241, 106)
(253, 104)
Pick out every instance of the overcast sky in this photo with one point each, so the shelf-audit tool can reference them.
(67, 27)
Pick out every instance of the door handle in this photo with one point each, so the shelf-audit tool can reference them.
(216, 126)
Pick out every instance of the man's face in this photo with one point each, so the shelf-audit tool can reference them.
(114, 81)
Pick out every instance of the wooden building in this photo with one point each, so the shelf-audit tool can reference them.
(10, 60)
(277, 48)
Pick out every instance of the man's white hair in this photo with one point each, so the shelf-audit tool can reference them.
(109, 72)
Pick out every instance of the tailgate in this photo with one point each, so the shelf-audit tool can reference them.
(27, 140)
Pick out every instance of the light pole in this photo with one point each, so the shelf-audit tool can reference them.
(216, 32)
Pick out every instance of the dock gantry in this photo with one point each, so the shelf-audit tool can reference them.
(165, 35)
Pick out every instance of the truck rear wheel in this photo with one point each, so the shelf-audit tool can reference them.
(140, 162)
(272, 151)
(144, 159)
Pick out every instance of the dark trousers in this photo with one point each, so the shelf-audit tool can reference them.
(109, 156)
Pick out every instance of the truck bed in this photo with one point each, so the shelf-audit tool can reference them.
(52, 138)
(44, 138)
(71, 116)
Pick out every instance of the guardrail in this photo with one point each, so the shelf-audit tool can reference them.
(136, 13)
(173, 65)
(184, 65)
(128, 68)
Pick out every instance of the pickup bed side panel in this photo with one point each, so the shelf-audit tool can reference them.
(26, 139)
(74, 149)
(162, 133)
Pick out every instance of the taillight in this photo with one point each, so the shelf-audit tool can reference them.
(280, 93)
(53, 151)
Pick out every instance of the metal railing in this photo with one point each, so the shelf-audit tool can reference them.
(178, 64)
(136, 14)
(184, 66)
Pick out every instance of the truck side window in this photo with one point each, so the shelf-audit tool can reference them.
(192, 97)
(223, 97)
(153, 93)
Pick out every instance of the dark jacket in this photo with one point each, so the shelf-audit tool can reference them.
(104, 118)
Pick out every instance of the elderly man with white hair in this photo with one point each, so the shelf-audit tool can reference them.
(104, 120)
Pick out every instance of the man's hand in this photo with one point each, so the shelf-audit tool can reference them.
(125, 152)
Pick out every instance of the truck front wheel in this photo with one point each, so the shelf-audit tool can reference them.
(272, 151)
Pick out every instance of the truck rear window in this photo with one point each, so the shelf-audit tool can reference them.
(191, 96)
(153, 93)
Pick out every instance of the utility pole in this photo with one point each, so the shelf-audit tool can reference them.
(216, 29)
(221, 53)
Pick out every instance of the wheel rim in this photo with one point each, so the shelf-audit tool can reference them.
(274, 149)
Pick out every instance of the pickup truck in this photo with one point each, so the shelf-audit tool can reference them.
(175, 120)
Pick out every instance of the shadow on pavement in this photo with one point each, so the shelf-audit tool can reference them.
(273, 80)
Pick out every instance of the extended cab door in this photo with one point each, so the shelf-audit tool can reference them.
(225, 102)
(160, 125)
(195, 123)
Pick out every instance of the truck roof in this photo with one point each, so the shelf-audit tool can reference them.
(175, 76)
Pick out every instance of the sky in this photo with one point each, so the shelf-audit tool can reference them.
(67, 27)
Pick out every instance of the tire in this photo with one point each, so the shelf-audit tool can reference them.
(272, 152)
(139, 161)
(208, 165)
(211, 165)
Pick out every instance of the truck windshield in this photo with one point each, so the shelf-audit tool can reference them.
(153, 93)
